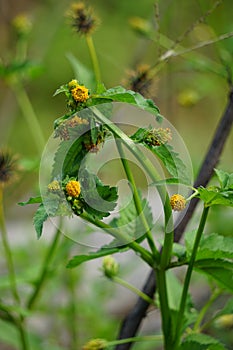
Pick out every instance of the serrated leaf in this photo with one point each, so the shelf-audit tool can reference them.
(219, 269)
(32, 200)
(39, 218)
(215, 246)
(225, 179)
(99, 199)
(215, 196)
(120, 94)
(131, 221)
(201, 342)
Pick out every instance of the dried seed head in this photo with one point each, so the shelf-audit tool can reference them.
(177, 202)
(95, 344)
(139, 80)
(73, 188)
(83, 19)
(7, 167)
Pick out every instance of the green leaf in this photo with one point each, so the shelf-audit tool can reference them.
(130, 220)
(227, 310)
(219, 269)
(225, 179)
(99, 199)
(201, 342)
(215, 196)
(79, 259)
(215, 246)
(39, 218)
(120, 94)
(31, 200)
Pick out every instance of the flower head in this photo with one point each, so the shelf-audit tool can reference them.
(54, 186)
(140, 26)
(110, 266)
(22, 24)
(139, 80)
(83, 19)
(177, 202)
(80, 93)
(157, 137)
(95, 344)
(73, 188)
(7, 167)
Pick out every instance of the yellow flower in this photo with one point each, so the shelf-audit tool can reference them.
(80, 93)
(54, 186)
(73, 188)
(72, 84)
(95, 344)
(177, 202)
(22, 24)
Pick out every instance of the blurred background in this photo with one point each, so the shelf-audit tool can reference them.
(191, 91)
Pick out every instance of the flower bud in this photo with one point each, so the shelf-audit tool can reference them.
(110, 266)
(95, 344)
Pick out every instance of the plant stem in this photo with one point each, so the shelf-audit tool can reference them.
(188, 276)
(136, 339)
(123, 238)
(7, 249)
(19, 322)
(137, 201)
(216, 293)
(168, 218)
(94, 58)
(45, 269)
(133, 289)
(28, 112)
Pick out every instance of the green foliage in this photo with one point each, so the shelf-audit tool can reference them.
(201, 342)
(39, 218)
(131, 222)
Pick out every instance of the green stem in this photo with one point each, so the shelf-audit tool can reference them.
(168, 218)
(19, 322)
(158, 338)
(133, 289)
(216, 293)
(28, 112)
(137, 201)
(188, 275)
(123, 238)
(72, 311)
(7, 249)
(45, 269)
(94, 58)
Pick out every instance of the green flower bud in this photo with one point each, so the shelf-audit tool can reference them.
(110, 266)
(95, 344)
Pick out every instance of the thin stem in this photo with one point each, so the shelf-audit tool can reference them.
(45, 269)
(123, 238)
(72, 311)
(19, 322)
(216, 293)
(28, 112)
(137, 200)
(188, 276)
(133, 289)
(7, 250)
(158, 338)
(94, 58)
